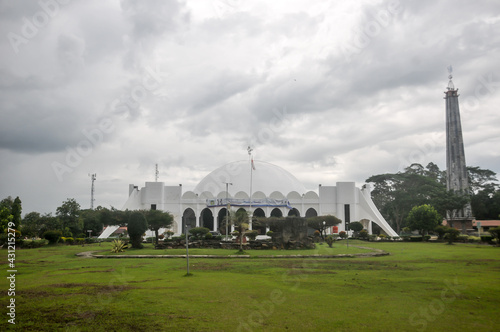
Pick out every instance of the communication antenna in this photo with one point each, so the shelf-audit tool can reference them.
(156, 173)
(451, 86)
(92, 177)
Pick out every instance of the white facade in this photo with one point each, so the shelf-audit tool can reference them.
(274, 192)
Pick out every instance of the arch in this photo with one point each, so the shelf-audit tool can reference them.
(207, 219)
(206, 194)
(276, 213)
(221, 221)
(241, 195)
(294, 195)
(294, 213)
(189, 218)
(256, 225)
(311, 195)
(311, 213)
(189, 195)
(258, 194)
(277, 195)
(222, 194)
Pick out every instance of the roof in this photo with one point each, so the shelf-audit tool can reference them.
(487, 223)
(265, 177)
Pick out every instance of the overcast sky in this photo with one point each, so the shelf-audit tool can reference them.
(329, 90)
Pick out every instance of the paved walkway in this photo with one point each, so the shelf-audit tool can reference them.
(375, 253)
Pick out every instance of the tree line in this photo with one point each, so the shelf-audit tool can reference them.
(72, 221)
(396, 194)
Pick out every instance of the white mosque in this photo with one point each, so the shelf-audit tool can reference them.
(263, 190)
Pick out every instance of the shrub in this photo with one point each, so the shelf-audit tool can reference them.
(342, 234)
(68, 240)
(199, 232)
(396, 238)
(317, 233)
(416, 238)
(270, 233)
(252, 235)
(136, 227)
(426, 238)
(372, 237)
(80, 240)
(451, 235)
(486, 238)
(363, 234)
(208, 236)
(329, 239)
(30, 244)
(495, 233)
(474, 239)
(52, 236)
(441, 231)
(463, 238)
(117, 246)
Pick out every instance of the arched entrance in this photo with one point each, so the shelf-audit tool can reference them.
(276, 213)
(311, 213)
(256, 225)
(221, 221)
(207, 219)
(189, 218)
(294, 213)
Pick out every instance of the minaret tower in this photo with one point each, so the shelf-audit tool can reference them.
(456, 169)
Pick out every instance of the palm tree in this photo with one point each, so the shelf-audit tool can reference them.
(240, 221)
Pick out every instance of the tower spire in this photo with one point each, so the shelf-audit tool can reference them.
(456, 168)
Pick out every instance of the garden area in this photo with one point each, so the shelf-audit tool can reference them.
(420, 286)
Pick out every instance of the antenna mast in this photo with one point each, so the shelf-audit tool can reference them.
(156, 173)
(92, 177)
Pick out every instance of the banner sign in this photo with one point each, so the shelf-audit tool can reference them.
(257, 202)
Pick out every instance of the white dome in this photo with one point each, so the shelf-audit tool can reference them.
(266, 178)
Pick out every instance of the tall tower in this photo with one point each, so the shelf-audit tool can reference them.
(456, 169)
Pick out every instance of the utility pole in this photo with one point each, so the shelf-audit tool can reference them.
(93, 178)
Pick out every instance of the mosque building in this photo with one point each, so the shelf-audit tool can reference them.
(263, 190)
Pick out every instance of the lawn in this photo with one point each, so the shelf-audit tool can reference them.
(419, 287)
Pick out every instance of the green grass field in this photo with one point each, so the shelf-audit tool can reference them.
(419, 287)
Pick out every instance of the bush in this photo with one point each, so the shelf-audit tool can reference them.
(80, 240)
(270, 234)
(118, 246)
(416, 238)
(474, 239)
(252, 235)
(486, 238)
(372, 237)
(463, 238)
(363, 234)
(208, 236)
(426, 238)
(30, 244)
(451, 235)
(68, 240)
(495, 233)
(199, 232)
(342, 234)
(329, 239)
(52, 236)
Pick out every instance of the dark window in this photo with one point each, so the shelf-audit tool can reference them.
(153, 206)
(347, 213)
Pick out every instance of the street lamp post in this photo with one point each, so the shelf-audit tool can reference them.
(227, 208)
(324, 229)
(187, 247)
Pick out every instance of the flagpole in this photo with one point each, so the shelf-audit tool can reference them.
(249, 149)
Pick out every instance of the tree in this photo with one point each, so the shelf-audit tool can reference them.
(452, 234)
(158, 219)
(199, 232)
(355, 226)
(5, 218)
(320, 223)
(69, 215)
(136, 227)
(423, 218)
(240, 222)
(31, 224)
(91, 221)
(16, 213)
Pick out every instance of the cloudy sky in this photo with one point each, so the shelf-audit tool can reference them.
(329, 90)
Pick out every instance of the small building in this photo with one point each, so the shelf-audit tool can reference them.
(263, 190)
